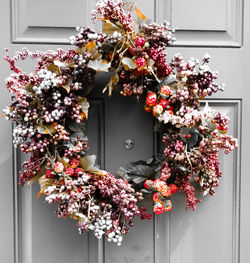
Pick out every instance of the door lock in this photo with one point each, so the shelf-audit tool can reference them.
(128, 144)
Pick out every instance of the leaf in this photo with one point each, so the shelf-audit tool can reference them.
(91, 45)
(183, 168)
(81, 217)
(128, 63)
(141, 18)
(195, 136)
(79, 50)
(39, 174)
(87, 163)
(45, 182)
(112, 83)
(83, 102)
(169, 80)
(59, 64)
(107, 47)
(45, 129)
(99, 65)
(140, 15)
(53, 68)
(66, 87)
(109, 28)
(40, 193)
(74, 136)
(96, 55)
(74, 126)
(138, 172)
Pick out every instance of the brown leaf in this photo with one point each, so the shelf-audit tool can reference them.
(38, 175)
(83, 102)
(112, 83)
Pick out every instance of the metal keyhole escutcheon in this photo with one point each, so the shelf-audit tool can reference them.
(128, 144)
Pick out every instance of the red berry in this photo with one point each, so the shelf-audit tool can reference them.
(147, 108)
(157, 110)
(138, 72)
(158, 208)
(78, 171)
(164, 103)
(49, 174)
(131, 51)
(166, 192)
(140, 42)
(189, 136)
(224, 129)
(165, 91)
(151, 99)
(69, 171)
(170, 108)
(173, 188)
(148, 184)
(156, 197)
(140, 62)
(219, 127)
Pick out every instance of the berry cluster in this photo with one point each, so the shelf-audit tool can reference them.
(161, 192)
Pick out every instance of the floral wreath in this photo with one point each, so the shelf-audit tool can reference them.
(51, 107)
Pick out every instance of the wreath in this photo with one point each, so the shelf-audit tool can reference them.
(51, 107)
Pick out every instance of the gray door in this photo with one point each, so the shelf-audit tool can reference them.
(219, 229)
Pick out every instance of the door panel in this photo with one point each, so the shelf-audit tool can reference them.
(203, 23)
(218, 231)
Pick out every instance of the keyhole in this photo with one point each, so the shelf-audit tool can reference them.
(128, 144)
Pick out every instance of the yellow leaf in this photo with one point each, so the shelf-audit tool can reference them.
(91, 45)
(66, 87)
(140, 15)
(101, 19)
(40, 193)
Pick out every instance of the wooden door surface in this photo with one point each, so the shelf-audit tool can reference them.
(218, 231)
